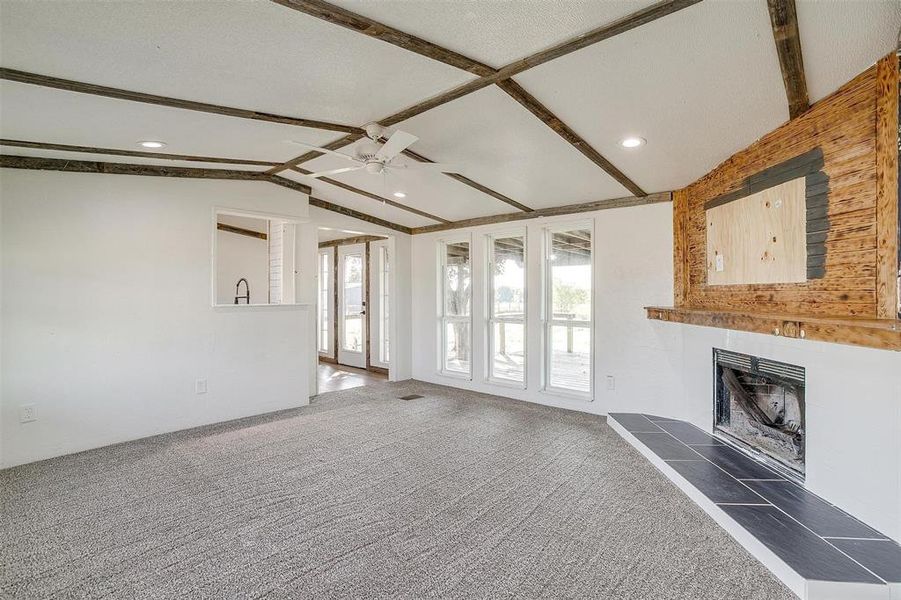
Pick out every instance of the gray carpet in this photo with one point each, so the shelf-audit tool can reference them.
(362, 495)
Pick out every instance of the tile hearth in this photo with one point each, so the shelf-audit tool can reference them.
(817, 549)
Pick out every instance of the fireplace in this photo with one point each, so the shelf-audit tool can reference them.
(759, 408)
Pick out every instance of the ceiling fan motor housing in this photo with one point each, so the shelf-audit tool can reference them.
(374, 167)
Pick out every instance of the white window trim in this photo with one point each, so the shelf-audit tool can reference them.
(547, 320)
(330, 309)
(379, 251)
(443, 319)
(491, 319)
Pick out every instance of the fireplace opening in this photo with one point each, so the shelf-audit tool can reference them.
(759, 408)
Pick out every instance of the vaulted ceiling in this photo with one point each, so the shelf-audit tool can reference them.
(697, 80)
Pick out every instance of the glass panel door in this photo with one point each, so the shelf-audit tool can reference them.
(352, 305)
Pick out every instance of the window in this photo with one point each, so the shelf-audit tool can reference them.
(325, 301)
(568, 310)
(384, 281)
(456, 304)
(507, 308)
(352, 340)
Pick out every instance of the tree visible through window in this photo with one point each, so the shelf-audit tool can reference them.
(456, 314)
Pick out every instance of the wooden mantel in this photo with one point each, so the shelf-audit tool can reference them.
(874, 333)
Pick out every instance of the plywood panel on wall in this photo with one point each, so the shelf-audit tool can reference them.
(844, 128)
(760, 238)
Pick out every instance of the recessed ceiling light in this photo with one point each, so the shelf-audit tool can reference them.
(633, 142)
(399, 195)
(152, 144)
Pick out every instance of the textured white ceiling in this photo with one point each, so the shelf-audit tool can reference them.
(37, 114)
(432, 192)
(500, 144)
(359, 203)
(495, 32)
(699, 85)
(249, 54)
(840, 39)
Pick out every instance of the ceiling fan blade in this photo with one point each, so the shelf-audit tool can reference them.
(397, 143)
(327, 151)
(334, 172)
(423, 166)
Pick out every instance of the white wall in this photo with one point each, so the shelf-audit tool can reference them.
(107, 318)
(853, 394)
(633, 268)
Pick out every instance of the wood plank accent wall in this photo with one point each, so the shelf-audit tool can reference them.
(888, 233)
(862, 241)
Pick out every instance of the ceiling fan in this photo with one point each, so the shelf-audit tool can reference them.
(378, 156)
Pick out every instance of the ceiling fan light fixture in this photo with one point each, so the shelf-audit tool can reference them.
(632, 141)
(152, 143)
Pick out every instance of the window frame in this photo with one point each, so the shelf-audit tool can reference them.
(384, 301)
(443, 318)
(547, 320)
(329, 254)
(491, 319)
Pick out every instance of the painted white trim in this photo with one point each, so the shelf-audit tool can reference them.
(443, 319)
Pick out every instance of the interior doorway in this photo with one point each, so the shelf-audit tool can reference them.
(353, 309)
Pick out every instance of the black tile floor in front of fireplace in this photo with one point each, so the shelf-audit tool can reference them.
(816, 539)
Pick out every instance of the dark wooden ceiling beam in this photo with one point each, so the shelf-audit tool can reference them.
(84, 166)
(348, 241)
(336, 208)
(784, 19)
(136, 153)
(604, 32)
(307, 156)
(242, 231)
(375, 197)
(111, 168)
(549, 212)
(119, 94)
(355, 22)
(473, 184)
(530, 103)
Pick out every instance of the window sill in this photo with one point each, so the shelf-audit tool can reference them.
(567, 394)
(515, 385)
(464, 376)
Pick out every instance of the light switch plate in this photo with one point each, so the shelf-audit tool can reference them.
(200, 386)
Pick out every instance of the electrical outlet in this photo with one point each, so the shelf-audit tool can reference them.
(200, 386)
(611, 382)
(28, 413)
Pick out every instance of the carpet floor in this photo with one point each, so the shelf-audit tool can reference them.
(363, 495)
